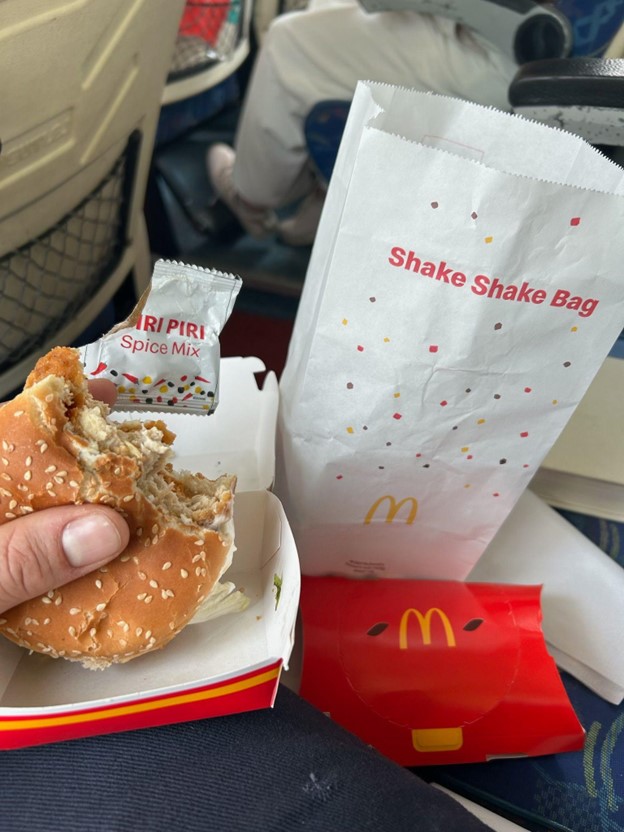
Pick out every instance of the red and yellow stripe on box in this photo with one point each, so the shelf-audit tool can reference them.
(247, 692)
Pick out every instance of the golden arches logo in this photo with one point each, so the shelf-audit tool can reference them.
(393, 509)
(424, 622)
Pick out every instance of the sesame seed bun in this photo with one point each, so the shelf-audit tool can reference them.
(57, 446)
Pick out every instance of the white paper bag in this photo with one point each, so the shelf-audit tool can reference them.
(466, 283)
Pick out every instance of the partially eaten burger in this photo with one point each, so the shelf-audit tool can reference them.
(58, 446)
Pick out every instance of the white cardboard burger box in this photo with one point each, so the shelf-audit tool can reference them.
(228, 665)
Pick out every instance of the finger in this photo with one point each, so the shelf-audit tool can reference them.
(104, 390)
(47, 549)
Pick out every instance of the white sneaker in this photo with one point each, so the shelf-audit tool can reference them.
(258, 222)
(300, 228)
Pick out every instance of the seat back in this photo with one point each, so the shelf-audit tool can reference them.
(79, 113)
(212, 43)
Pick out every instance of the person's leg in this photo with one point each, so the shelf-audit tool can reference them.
(267, 771)
(319, 55)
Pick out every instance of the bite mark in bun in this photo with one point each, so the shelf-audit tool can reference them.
(57, 446)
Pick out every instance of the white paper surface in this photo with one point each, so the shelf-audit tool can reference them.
(582, 591)
(464, 287)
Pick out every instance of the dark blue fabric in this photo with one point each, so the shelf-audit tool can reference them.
(608, 535)
(181, 116)
(290, 768)
(594, 23)
(323, 129)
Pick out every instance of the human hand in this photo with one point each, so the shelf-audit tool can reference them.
(50, 548)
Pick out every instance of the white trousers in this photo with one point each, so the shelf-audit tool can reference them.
(321, 53)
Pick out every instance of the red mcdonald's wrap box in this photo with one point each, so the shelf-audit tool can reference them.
(227, 665)
(435, 672)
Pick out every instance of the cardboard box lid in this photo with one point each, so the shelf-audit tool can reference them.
(222, 666)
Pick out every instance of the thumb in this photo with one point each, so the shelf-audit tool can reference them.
(50, 548)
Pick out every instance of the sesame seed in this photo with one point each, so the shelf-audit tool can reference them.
(154, 584)
(18, 413)
(142, 575)
(109, 633)
(58, 479)
(128, 498)
(6, 477)
(51, 492)
(148, 600)
(148, 634)
(27, 621)
(5, 493)
(103, 569)
(50, 594)
(26, 509)
(5, 461)
(139, 532)
(198, 542)
(9, 515)
(123, 642)
(73, 483)
(198, 571)
(28, 461)
(135, 560)
(93, 632)
(13, 504)
(43, 448)
(5, 445)
(147, 543)
(138, 631)
(74, 611)
(99, 584)
(27, 475)
(47, 620)
(155, 539)
(58, 601)
(196, 558)
(117, 471)
(49, 397)
(46, 600)
(50, 469)
(22, 487)
(2, 621)
(124, 558)
(100, 607)
(72, 631)
(141, 596)
(184, 573)
(166, 566)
